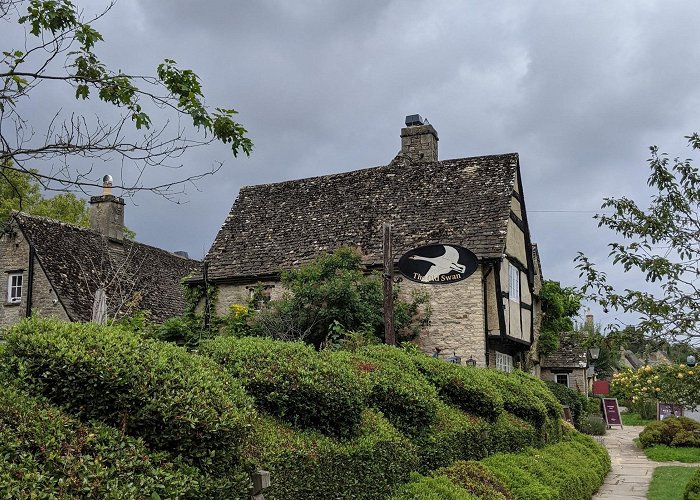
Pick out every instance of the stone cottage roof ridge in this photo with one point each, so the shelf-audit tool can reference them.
(275, 226)
(78, 260)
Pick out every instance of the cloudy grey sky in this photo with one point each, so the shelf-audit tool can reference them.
(578, 89)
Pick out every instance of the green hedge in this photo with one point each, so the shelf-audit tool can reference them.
(432, 488)
(577, 402)
(453, 436)
(175, 401)
(44, 453)
(692, 490)
(509, 434)
(293, 382)
(405, 398)
(573, 469)
(671, 431)
(309, 465)
(477, 480)
(468, 388)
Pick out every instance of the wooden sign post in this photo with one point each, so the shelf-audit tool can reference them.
(389, 336)
(611, 411)
(567, 414)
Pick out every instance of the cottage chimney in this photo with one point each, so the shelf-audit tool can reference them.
(107, 212)
(419, 140)
(589, 319)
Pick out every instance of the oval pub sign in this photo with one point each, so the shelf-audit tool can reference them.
(438, 264)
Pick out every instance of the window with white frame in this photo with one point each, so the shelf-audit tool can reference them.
(513, 282)
(14, 288)
(562, 378)
(504, 362)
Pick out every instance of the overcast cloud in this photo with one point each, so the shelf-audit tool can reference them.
(578, 89)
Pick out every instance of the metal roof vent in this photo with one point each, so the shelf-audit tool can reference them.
(413, 120)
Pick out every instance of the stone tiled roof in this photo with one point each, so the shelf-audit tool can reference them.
(273, 227)
(77, 261)
(569, 355)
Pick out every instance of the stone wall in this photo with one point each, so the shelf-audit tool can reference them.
(457, 320)
(14, 255)
(240, 294)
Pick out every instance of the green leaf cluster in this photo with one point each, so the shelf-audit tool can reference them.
(660, 244)
(174, 400)
(45, 453)
(293, 382)
(559, 306)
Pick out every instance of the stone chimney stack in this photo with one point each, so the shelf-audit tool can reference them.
(419, 140)
(589, 319)
(107, 212)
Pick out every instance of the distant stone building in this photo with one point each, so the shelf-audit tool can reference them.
(568, 365)
(476, 203)
(56, 269)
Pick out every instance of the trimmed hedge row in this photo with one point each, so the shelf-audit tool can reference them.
(293, 382)
(176, 401)
(477, 480)
(576, 401)
(469, 389)
(46, 454)
(405, 398)
(692, 489)
(453, 436)
(431, 488)
(309, 465)
(671, 431)
(555, 471)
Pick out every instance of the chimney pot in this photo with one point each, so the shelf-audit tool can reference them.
(107, 212)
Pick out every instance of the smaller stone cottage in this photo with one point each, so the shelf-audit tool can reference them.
(567, 366)
(56, 269)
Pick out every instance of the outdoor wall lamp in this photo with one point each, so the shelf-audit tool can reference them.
(455, 359)
(471, 361)
(594, 352)
(690, 360)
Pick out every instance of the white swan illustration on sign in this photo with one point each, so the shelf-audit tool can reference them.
(443, 264)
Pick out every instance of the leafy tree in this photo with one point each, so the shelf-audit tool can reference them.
(559, 306)
(662, 243)
(332, 296)
(60, 48)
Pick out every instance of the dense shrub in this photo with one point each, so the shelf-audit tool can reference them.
(309, 465)
(593, 425)
(431, 488)
(554, 471)
(46, 454)
(671, 431)
(577, 402)
(467, 388)
(453, 436)
(477, 480)
(406, 399)
(510, 434)
(291, 381)
(519, 398)
(175, 401)
(692, 489)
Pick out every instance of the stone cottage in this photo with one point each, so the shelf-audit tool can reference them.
(56, 269)
(568, 365)
(476, 203)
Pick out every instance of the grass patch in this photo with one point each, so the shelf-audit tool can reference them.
(663, 453)
(668, 483)
(635, 419)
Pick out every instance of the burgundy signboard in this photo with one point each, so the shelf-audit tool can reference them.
(664, 410)
(438, 264)
(611, 410)
(567, 414)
